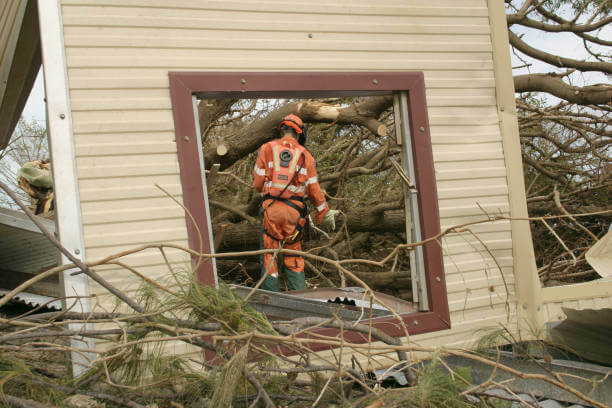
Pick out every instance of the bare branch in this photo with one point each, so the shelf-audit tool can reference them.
(555, 60)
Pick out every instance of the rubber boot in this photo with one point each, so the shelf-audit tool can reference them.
(270, 283)
(297, 280)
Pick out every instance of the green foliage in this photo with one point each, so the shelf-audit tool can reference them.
(10, 368)
(145, 363)
(222, 304)
(203, 303)
(491, 338)
(18, 379)
(437, 388)
(231, 375)
(277, 384)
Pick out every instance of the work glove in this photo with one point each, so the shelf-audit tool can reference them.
(329, 220)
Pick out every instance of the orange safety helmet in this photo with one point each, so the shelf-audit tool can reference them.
(295, 123)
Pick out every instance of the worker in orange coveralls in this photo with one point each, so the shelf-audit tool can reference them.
(285, 173)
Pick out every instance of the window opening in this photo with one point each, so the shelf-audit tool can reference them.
(354, 168)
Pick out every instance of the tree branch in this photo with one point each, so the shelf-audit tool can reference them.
(561, 26)
(555, 60)
(251, 137)
(552, 84)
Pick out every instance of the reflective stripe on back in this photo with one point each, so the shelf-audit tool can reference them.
(296, 156)
(276, 159)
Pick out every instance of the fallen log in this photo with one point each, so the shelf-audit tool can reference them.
(245, 237)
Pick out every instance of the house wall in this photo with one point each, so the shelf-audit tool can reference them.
(119, 52)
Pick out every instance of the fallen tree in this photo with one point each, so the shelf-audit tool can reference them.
(133, 371)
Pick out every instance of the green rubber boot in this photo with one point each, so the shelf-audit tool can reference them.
(270, 283)
(297, 280)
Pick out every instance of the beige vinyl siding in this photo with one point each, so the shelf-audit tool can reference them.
(118, 56)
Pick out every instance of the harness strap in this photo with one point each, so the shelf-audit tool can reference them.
(270, 235)
(303, 211)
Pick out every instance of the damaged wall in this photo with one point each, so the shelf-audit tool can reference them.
(119, 52)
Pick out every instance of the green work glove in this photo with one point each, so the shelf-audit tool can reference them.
(329, 220)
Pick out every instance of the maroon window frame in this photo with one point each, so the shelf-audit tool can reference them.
(183, 85)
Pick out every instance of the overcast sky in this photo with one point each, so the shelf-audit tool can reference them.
(35, 106)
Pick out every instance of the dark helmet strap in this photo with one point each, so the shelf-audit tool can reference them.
(302, 137)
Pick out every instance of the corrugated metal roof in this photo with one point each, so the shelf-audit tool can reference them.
(23, 248)
(25, 251)
(33, 299)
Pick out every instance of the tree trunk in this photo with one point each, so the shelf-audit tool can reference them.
(245, 237)
(250, 138)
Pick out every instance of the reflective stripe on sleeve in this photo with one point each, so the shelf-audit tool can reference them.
(303, 171)
(311, 180)
(260, 172)
(322, 206)
(270, 164)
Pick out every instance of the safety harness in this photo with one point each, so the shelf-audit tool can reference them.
(285, 167)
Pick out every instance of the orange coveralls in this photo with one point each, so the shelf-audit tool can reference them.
(280, 219)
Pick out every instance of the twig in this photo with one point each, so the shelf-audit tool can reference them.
(560, 241)
(557, 199)
(22, 403)
(233, 209)
(98, 395)
(260, 389)
(232, 175)
(319, 273)
(84, 268)
(193, 221)
(314, 404)
(357, 327)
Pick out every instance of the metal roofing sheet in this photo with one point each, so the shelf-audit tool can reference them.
(25, 251)
(33, 299)
(23, 248)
